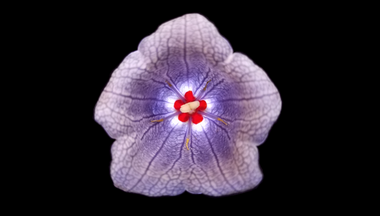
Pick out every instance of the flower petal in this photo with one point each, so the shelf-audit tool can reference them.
(222, 163)
(150, 165)
(132, 98)
(245, 97)
(184, 49)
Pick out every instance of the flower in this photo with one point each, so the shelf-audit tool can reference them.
(187, 113)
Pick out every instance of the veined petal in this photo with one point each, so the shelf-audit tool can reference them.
(184, 49)
(245, 96)
(222, 163)
(132, 98)
(151, 165)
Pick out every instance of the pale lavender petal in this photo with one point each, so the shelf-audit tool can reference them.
(222, 163)
(245, 97)
(151, 165)
(132, 98)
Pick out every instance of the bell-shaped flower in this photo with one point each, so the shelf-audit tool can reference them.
(187, 113)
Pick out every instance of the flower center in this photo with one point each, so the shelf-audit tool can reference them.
(189, 108)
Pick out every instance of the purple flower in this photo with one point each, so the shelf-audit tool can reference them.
(169, 139)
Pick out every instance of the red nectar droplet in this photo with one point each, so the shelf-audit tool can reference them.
(183, 117)
(197, 118)
(202, 105)
(189, 96)
(178, 104)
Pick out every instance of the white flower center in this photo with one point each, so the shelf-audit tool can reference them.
(189, 107)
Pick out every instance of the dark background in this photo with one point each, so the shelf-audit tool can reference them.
(83, 44)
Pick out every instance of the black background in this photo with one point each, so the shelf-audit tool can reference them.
(85, 43)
